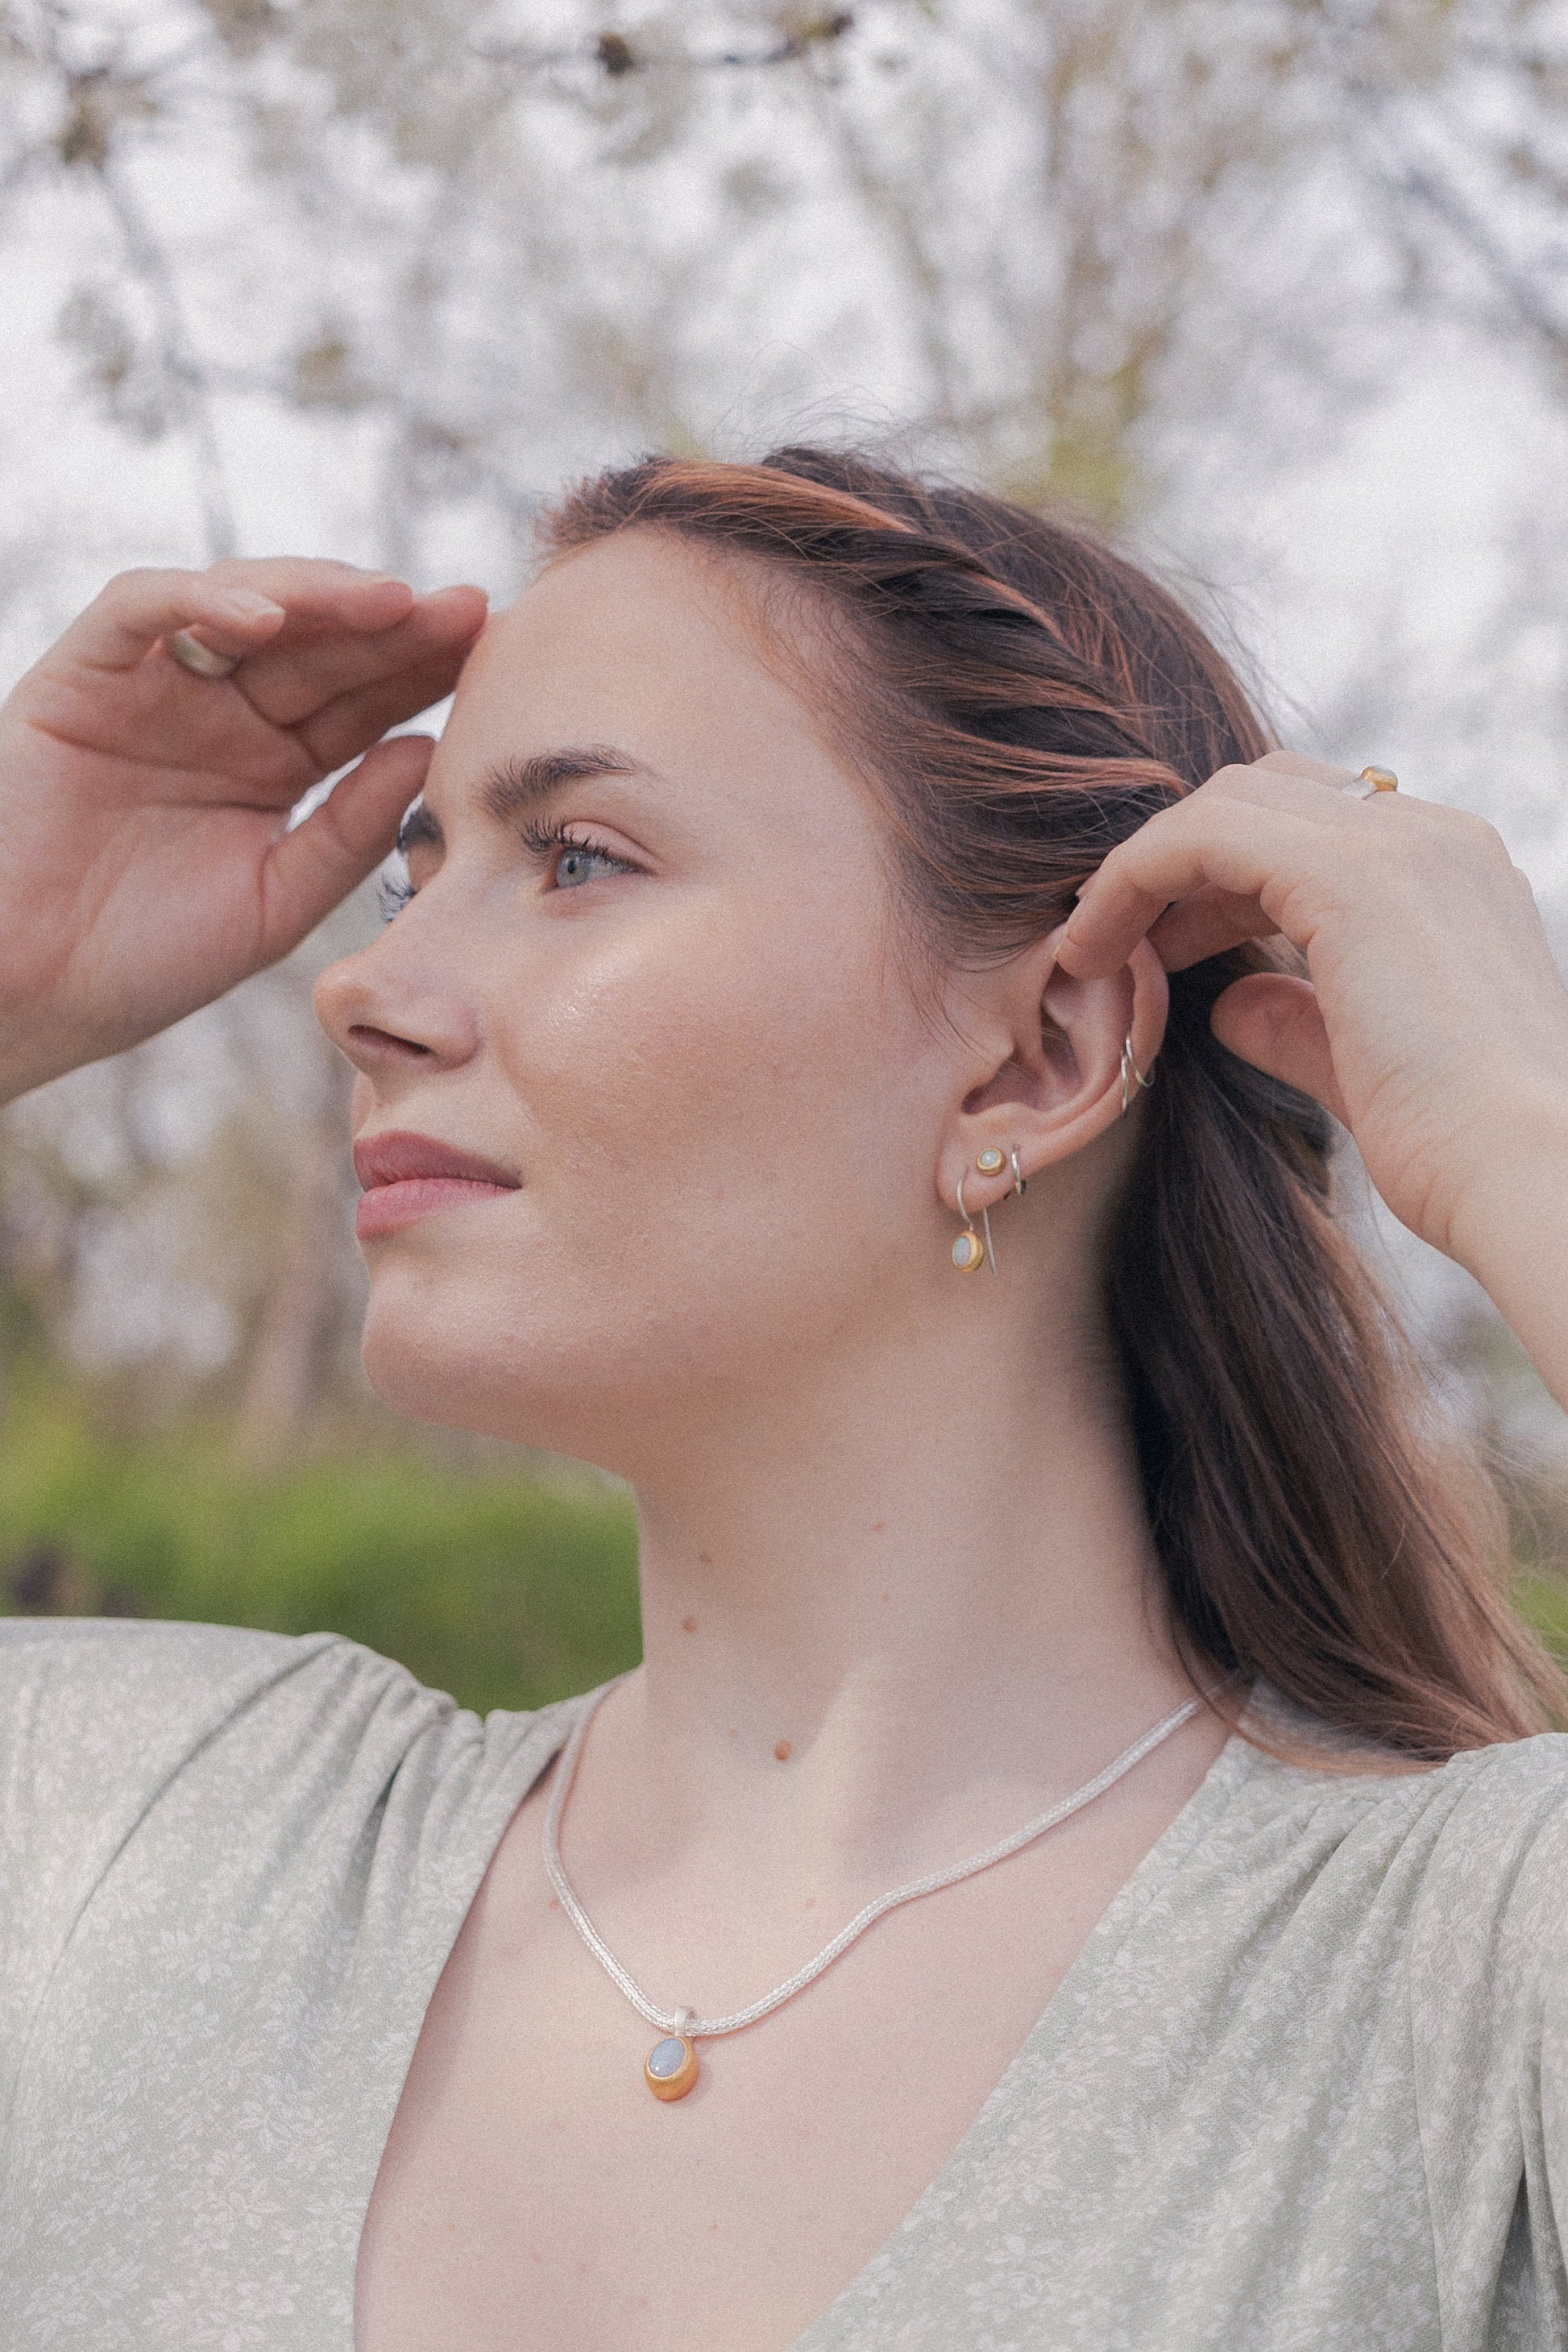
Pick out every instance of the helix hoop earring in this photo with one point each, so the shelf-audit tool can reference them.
(969, 1251)
(1131, 1073)
(1020, 1181)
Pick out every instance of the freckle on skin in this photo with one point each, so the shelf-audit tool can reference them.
(689, 1624)
(784, 1750)
(887, 1596)
(556, 1902)
(705, 1560)
(878, 1526)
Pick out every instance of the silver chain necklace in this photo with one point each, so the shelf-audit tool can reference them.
(671, 2067)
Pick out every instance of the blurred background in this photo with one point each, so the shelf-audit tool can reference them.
(1276, 289)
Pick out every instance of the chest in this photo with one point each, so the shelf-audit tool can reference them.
(1211, 2133)
(533, 2193)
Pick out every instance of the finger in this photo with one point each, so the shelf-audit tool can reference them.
(1283, 779)
(1297, 763)
(299, 675)
(310, 870)
(1273, 1021)
(233, 606)
(317, 597)
(1207, 924)
(126, 620)
(1311, 789)
(1242, 848)
(312, 583)
(345, 727)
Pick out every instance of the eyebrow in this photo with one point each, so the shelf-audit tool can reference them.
(514, 786)
(518, 784)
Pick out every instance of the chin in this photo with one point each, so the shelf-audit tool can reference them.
(428, 1372)
(463, 1358)
(607, 1363)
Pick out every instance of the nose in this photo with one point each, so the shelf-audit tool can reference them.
(394, 1015)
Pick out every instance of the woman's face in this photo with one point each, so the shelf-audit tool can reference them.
(648, 991)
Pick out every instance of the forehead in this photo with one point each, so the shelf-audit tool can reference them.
(645, 642)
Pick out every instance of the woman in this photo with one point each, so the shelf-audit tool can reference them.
(814, 860)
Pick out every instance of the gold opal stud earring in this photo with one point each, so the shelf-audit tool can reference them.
(968, 1250)
(990, 1161)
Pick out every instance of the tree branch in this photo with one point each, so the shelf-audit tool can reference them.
(177, 357)
(617, 57)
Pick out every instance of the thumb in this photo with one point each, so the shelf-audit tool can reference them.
(310, 870)
(1272, 1021)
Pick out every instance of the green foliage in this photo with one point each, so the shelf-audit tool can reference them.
(1542, 1600)
(504, 1588)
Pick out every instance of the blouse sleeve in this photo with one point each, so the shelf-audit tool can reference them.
(1545, 2113)
(97, 1718)
(1485, 1980)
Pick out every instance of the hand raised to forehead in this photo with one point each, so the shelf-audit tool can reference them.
(145, 866)
(1434, 1018)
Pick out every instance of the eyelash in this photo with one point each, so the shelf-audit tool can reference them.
(542, 837)
(394, 892)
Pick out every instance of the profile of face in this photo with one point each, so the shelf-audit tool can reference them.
(654, 990)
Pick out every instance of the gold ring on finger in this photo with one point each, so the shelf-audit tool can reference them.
(1372, 780)
(199, 659)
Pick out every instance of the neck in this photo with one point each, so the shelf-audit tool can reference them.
(903, 1587)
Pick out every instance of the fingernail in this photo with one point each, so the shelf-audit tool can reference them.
(250, 607)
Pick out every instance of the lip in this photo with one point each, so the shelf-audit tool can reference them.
(406, 1177)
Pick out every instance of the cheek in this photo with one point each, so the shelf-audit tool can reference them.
(712, 1056)
(725, 1130)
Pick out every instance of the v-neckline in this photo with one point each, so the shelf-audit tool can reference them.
(1043, 2045)
(542, 1739)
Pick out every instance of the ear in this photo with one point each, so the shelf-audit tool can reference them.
(1045, 1070)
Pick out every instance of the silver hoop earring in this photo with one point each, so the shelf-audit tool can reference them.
(969, 1251)
(1130, 1072)
(1020, 1181)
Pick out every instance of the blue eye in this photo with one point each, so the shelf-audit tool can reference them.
(578, 864)
(571, 862)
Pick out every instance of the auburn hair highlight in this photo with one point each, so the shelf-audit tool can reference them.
(1023, 697)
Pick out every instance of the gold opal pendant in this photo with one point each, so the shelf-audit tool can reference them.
(670, 2067)
(968, 1252)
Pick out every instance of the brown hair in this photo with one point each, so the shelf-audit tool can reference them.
(1025, 697)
